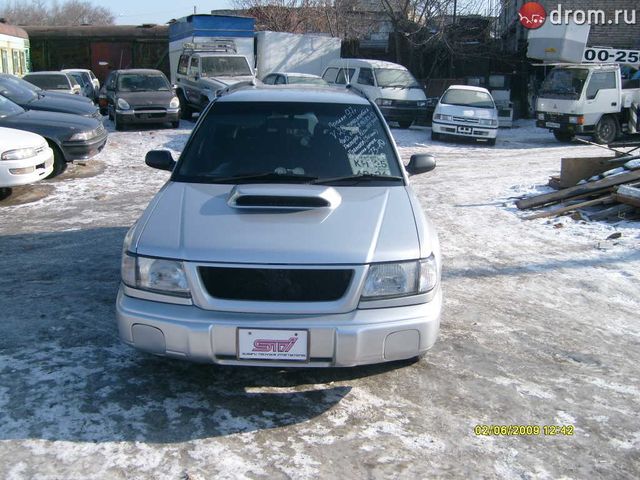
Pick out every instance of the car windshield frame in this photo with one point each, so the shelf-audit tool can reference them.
(273, 142)
(400, 79)
(143, 85)
(564, 83)
(47, 77)
(9, 108)
(215, 66)
(465, 98)
(15, 91)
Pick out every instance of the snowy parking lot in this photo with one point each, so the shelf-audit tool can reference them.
(540, 328)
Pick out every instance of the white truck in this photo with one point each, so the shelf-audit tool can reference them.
(586, 99)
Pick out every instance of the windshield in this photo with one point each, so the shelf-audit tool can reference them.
(49, 82)
(224, 66)
(287, 142)
(8, 108)
(564, 83)
(80, 78)
(393, 77)
(136, 82)
(15, 91)
(293, 79)
(467, 98)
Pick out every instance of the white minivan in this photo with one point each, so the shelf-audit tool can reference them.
(391, 86)
(465, 111)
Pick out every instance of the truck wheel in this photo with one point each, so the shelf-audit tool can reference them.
(435, 136)
(606, 130)
(405, 124)
(564, 137)
(186, 112)
(59, 163)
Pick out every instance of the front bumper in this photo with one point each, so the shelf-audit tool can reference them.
(403, 114)
(83, 150)
(35, 168)
(464, 130)
(130, 117)
(358, 337)
(560, 122)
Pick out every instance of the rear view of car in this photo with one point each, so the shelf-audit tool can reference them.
(468, 112)
(25, 158)
(54, 81)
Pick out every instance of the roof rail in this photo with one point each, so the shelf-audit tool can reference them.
(224, 45)
(236, 86)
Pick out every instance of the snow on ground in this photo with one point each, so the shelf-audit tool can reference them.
(540, 327)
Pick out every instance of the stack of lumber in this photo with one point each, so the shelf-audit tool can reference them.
(611, 195)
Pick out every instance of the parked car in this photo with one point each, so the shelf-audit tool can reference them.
(287, 235)
(282, 78)
(391, 86)
(71, 137)
(86, 85)
(51, 94)
(465, 111)
(94, 79)
(139, 96)
(25, 158)
(54, 81)
(17, 91)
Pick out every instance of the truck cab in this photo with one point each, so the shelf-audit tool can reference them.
(204, 70)
(587, 100)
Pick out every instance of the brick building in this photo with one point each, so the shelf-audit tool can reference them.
(514, 35)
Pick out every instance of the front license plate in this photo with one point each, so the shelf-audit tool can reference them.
(465, 130)
(553, 125)
(263, 344)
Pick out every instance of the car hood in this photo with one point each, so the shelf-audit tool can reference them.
(195, 222)
(49, 124)
(411, 94)
(66, 97)
(221, 82)
(11, 138)
(147, 99)
(470, 112)
(51, 103)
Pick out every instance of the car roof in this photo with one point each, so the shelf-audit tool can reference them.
(140, 71)
(294, 93)
(48, 72)
(468, 87)
(74, 70)
(363, 62)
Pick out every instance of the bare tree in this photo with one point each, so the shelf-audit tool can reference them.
(70, 12)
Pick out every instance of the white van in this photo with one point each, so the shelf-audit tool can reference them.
(391, 86)
(465, 111)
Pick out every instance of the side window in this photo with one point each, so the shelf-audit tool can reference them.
(344, 74)
(111, 81)
(193, 67)
(600, 81)
(281, 80)
(269, 79)
(330, 75)
(183, 63)
(365, 77)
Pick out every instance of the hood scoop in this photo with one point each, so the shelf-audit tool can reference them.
(283, 197)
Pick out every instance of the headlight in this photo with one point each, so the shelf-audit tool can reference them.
(488, 122)
(384, 102)
(174, 103)
(541, 116)
(18, 154)
(386, 280)
(446, 118)
(422, 104)
(154, 274)
(84, 135)
(123, 104)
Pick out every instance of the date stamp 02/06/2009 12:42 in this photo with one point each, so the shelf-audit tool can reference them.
(523, 430)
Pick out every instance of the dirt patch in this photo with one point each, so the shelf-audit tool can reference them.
(90, 168)
(24, 194)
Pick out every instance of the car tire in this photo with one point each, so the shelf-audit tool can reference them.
(491, 142)
(5, 192)
(564, 137)
(435, 136)
(606, 130)
(186, 112)
(59, 163)
(117, 122)
(405, 124)
(175, 124)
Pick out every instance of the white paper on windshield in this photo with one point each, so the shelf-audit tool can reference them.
(369, 164)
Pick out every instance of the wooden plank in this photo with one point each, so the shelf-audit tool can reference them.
(591, 187)
(614, 211)
(628, 195)
(570, 208)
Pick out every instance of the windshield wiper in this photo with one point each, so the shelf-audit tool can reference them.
(360, 177)
(268, 177)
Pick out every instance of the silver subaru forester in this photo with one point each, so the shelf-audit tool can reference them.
(288, 235)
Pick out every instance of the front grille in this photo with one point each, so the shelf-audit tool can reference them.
(275, 284)
(405, 103)
(466, 120)
(147, 108)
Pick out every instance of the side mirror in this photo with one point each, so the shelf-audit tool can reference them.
(421, 163)
(160, 159)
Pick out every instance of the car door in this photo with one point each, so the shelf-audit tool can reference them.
(602, 96)
(190, 82)
(110, 89)
(366, 82)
